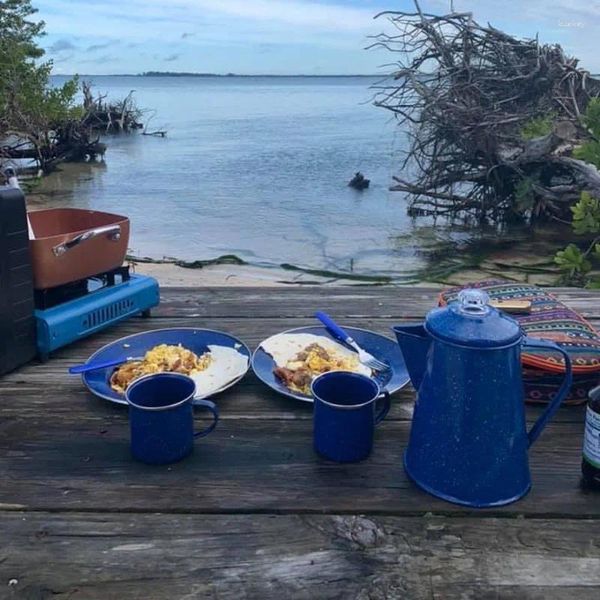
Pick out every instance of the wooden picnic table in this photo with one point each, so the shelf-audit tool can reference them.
(254, 513)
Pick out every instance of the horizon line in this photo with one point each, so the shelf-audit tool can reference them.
(224, 75)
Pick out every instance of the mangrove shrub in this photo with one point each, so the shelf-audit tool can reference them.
(29, 107)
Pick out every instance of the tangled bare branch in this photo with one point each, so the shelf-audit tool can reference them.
(464, 92)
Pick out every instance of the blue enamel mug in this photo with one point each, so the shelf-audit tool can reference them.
(345, 416)
(161, 417)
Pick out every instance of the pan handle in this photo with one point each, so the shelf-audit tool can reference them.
(112, 232)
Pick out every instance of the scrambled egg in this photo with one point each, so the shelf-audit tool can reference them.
(160, 359)
(299, 372)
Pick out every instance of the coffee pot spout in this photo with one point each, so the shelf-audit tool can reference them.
(414, 342)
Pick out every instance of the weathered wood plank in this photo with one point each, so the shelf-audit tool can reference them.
(251, 332)
(36, 386)
(385, 302)
(166, 556)
(62, 450)
(295, 302)
(33, 394)
(82, 462)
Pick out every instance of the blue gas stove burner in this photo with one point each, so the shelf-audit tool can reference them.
(70, 314)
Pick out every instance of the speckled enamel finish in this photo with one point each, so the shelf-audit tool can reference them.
(469, 441)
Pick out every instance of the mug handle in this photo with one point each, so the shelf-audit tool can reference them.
(212, 407)
(562, 393)
(385, 409)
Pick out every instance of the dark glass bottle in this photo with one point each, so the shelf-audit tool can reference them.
(590, 465)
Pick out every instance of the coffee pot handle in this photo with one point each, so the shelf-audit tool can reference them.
(565, 386)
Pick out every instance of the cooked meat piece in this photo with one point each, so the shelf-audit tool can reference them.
(318, 350)
(286, 375)
(301, 378)
(123, 376)
(189, 362)
(125, 373)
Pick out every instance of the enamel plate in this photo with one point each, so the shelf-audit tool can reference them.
(196, 340)
(380, 346)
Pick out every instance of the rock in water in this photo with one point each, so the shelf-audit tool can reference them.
(358, 182)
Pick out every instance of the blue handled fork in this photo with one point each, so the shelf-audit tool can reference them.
(364, 357)
(94, 366)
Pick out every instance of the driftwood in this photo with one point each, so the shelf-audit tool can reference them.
(154, 132)
(69, 141)
(72, 139)
(110, 117)
(465, 92)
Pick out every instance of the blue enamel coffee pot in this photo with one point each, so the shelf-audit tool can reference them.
(469, 441)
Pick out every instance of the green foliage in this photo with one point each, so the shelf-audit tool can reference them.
(573, 261)
(538, 126)
(591, 119)
(576, 264)
(524, 195)
(590, 150)
(586, 215)
(27, 103)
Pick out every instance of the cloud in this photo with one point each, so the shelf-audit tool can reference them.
(574, 24)
(95, 47)
(105, 59)
(266, 48)
(100, 60)
(555, 14)
(310, 14)
(63, 58)
(223, 22)
(287, 35)
(62, 45)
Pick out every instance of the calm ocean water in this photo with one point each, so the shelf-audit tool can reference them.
(256, 167)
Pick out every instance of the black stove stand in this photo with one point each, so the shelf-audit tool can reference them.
(70, 291)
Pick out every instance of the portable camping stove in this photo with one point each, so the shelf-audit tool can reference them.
(73, 311)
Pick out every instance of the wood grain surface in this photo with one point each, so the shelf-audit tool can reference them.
(254, 513)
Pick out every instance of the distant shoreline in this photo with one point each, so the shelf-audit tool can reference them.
(219, 75)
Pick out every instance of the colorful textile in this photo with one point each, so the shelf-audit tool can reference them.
(552, 320)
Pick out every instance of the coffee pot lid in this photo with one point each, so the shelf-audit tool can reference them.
(471, 321)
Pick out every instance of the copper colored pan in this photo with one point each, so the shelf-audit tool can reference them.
(68, 244)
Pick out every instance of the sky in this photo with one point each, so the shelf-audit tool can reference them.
(279, 37)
